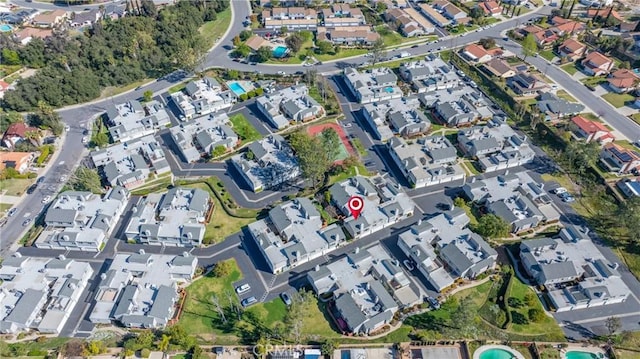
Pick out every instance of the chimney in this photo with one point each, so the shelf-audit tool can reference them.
(103, 276)
(141, 251)
(317, 269)
(357, 250)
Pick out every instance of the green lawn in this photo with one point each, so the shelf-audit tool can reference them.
(15, 186)
(390, 37)
(111, 91)
(306, 49)
(350, 172)
(593, 81)
(358, 146)
(548, 326)
(5, 207)
(221, 224)
(6, 70)
(636, 117)
(565, 95)
(547, 54)
(177, 88)
(570, 68)
(244, 129)
(618, 100)
(212, 30)
(344, 53)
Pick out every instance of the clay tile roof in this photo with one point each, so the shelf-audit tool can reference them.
(572, 45)
(18, 129)
(589, 126)
(476, 50)
(597, 59)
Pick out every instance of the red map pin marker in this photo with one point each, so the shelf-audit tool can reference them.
(355, 204)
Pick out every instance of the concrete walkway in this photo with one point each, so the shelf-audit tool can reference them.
(9, 199)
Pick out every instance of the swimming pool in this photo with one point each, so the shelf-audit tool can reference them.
(496, 354)
(280, 51)
(236, 88)
(5, 27)
(581, 355)
(388, 89)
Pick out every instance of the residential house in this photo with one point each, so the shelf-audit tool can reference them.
(499, 68)
(558, 263)
(49, 19)
(433, 15)
(618, 159)
(367, 288)
(174, 218)
(199, 137)
(526, 84)
(604, 13)
(131, 120)
(40, 293)
(85, 19)
(140, 290)
(427, 161)
(202, 97)
(396, 116)
(19, 161)
(385, 204)
(588, 131)
(444, 249)
(449, 10)
(490, 7)
(430, 74)
(623, 80)
(26, 34)
(515, 197)
(597, 64)
(554, 108)
(256, 42)
(629, 26)
(16, 133)
(4, 86)
(476, 53)
(348, 35)
(630, 187)
(372, 85)
(289, 104)
(410, 22)
(270, 164)
(294, 234)
(571, 49)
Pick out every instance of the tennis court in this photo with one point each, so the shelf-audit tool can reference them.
(345, 149)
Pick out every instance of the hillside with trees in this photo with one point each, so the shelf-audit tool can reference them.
(114, 53)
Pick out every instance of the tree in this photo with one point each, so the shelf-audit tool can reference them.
(73, 348)
(245, 35)
(145, 339)
(164, 343)
(147, 95)
(301, 304)
(294, 42)
(518, 318)
(381, 7)
(10, 57)
(314, 160)
(625, 65)
(100, 139)
(323, 47)
(218, 151)
(95, 347)
(536, 315)
(529, 46)
(492, 226)
(242, 50)
(264, 54)
(284, 30)
(476, 13)
(329, 345)
(85, 179)
(629, 214)
(463, 317)
(377, 51)
(330, 143)
(236, 40)
(222, 269)
(487, 43)
(530, 299)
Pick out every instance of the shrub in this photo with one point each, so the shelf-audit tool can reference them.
(37, 353)
(244, 97)
(535, 315)
(145, 353)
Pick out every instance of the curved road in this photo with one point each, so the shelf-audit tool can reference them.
(78, 117)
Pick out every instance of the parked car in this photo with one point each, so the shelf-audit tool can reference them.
(433, 302)
(568, 199)
(248, 301)
(26, 222)
(285, 298)
(63, 178)
(415, 46)
(46, 199)
(281, 73)
(559, 190)
(11, 212)
(243, 288)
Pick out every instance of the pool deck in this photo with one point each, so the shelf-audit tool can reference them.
(515, 353)
(589, 349)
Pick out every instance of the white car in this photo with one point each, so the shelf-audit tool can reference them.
(85, 140)
(281, 73)
(63, 178)
(46, 199)
(243, 288)
(559, 190)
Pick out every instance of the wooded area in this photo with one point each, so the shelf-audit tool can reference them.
(113, 53)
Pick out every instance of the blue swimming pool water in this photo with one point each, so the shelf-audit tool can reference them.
(5, 28)
(279, 51)
(345, 354)
(388, 89)
(236, 88)
(580, 355)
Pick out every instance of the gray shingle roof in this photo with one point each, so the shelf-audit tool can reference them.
(26, 305)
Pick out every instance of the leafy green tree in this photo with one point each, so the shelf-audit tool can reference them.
(147, 95)
(492, 226)
(222, 269)
(314, 161)
(218, 151)
(330, 142)
(629, 214)
(145, 339)
(85, 179)
(518, 318)
(536, 315)
(294, 42)
(264, 54)
(284, 30)
(245, 35)
(529, 46)
(381, 7)
(100, 140)
(463, 317)
(329, 345)
(323, 47)
(377, 51)
(10, 57)
(96, 347)
(487, 43)
(530, 299)
(242, 50)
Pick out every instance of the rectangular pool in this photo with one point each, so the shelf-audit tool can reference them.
(236, 88)
(279, 52)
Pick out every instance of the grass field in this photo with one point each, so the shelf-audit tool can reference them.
(390, 37)
(547, 326)
(344, 53)
(178, 87)
(212, 30)
(547, 54)
(111, 91)
(636, 117)
(618, 100)
(15, 186)
(221, 224)
(5, 207)
(565, 96)
(244, 129)
(570, 68)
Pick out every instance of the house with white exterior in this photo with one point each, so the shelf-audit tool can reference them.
(430, 74)
(385, 204)
(267, 163)
(588, 131)
(140, 290)
(82, 220)
(401, 116)
(40, 293)
(372, 85)
(558, 263)
(618, 159)
(129, 164)
(427, 161)
(444, 249)
(173, 218)
(202, 97)
(290, 104)
(198, 137)
(131, 120)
